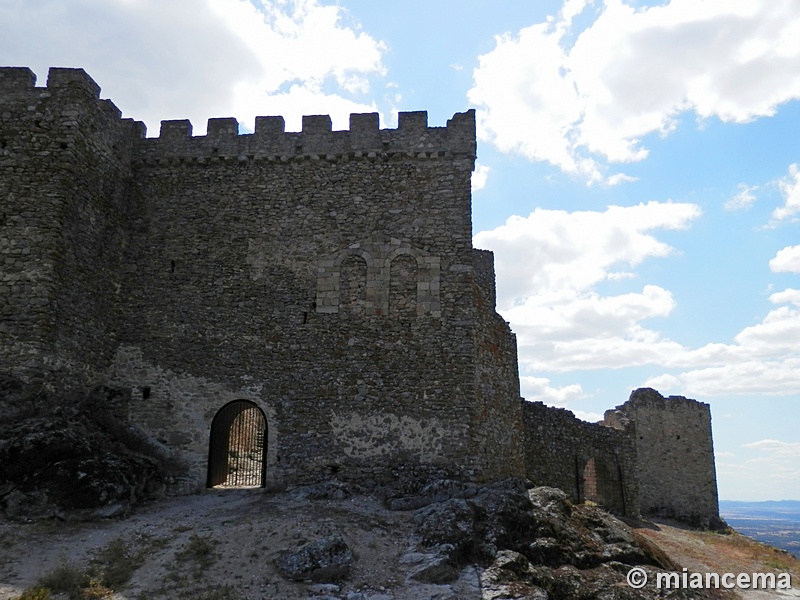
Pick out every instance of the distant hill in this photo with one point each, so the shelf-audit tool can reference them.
(774, 522)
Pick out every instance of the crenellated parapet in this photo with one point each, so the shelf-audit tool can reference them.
(317, 140)
(65, 87)
(412, 138)
(16, 80)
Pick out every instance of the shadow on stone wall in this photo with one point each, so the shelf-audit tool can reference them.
(75, 457)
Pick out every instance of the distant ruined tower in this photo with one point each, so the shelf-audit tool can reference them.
(674, 455)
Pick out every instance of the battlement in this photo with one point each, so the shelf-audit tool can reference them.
(68, 86)
(22, 79)
(364, 138)
(16, 79)
(317, 139)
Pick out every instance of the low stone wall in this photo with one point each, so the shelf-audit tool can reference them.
(590, 462)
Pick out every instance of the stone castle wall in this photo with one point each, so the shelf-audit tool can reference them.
(498, 405)
(337, 285)
(588, 461)
(65, 159)
(328, 277)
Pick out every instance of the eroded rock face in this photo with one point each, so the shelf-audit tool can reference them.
(534, 544)
(499, 516)
(325, 560)
(64, 464)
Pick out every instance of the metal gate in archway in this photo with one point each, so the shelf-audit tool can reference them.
(602, 484)
(237, 453)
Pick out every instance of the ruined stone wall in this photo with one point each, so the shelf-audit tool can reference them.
(485, 278)
(64, 173)
(588, 461)
(675, 455)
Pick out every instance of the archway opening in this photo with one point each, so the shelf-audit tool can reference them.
(237, 453)
(602, 484)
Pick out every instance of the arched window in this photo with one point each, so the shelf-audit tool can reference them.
(403, 286)
(353, 285)
(237, 450)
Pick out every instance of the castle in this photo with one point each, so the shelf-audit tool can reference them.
(308, 301)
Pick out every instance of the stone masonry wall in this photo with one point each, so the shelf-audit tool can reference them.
(65, 163)
(588, 461)
(326, 276)
(675, 455)
(497, 411)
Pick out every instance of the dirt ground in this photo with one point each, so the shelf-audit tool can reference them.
(705, 552)
(220, 545)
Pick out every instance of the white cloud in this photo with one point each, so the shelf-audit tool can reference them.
(296, 32)
(250, 101)
(744, 377)
(618, 178)
(787, 296)
(786, 260)
(762, 358)
(553, 254)
(548, 266)
(540, 389)
(778, 333)
(199, 59)
(789, 187)
(591, 417)
(765, 470)
(479, 177)
(743, 199)
(582, 99)
(776, 447)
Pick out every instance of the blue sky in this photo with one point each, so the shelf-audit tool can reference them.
(637, 171)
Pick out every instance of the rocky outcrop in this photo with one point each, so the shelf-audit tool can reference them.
(535, 544)
(77, 461)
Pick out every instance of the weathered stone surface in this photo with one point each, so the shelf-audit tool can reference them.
(436, 569)
(410, 494)
(536, 544)
(70, 463)
(452, 522)
(666, 428)
(324, 560)
(326, 490)
(506, 578)
(326, 276)
(498, 516)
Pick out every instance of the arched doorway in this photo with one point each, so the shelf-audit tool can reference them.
(602, 484)
(237, 451)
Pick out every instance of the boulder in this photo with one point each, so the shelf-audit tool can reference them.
(325, 560)
(435, 569)
(437, 490)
